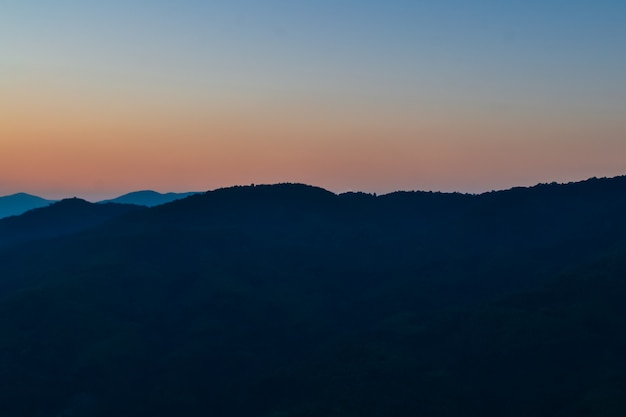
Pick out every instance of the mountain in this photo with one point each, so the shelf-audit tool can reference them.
(148, 198)
(16, 204)
(290, 300)
(58, 219)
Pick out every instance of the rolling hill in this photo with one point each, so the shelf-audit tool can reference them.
(58, 219)
(16, 204)
(148, 198)
(290, 300)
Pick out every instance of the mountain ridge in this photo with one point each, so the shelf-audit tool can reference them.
(148, 198)
(60, 218)
(19, 203)
(295, 301)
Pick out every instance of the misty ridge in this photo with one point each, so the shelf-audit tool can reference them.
(20, 203)
(289, 300)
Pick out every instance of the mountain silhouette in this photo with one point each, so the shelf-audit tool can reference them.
(290, 300)
(16, 204)
(61, 218)
(148, 198)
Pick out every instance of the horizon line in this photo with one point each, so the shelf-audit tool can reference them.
(115, 195)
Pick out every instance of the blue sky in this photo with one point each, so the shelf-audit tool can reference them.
(523, 79)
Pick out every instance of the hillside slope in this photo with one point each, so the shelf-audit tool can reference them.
(289, 300)
(58, 219)
(148, 198)
(16, 204)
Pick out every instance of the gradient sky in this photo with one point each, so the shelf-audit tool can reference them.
(98, 98)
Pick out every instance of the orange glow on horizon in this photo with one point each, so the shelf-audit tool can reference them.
(58, 141)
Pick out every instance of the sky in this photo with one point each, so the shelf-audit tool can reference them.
(99, 98)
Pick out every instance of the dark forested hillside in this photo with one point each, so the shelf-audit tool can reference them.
(62, 218)
(289, 300)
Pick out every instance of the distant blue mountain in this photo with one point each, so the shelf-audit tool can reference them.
(16, 204)
(148, 198)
